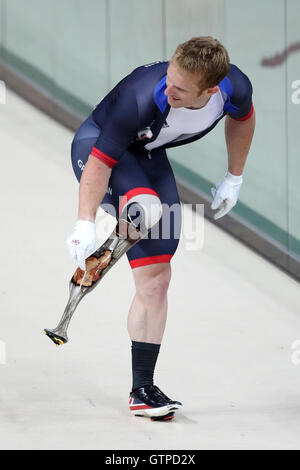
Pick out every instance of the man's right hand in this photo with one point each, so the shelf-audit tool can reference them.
(82, 241)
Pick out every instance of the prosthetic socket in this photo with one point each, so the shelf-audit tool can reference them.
(138, 216)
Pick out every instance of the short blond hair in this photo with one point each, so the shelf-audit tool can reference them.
(204, 56)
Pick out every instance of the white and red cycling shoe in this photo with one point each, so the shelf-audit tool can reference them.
(150, 401)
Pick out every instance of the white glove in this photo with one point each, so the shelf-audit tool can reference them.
(82, 242)
(226, 194)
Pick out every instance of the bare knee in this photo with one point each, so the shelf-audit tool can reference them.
(152, 282)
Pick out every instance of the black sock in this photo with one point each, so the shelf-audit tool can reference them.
(144, 356)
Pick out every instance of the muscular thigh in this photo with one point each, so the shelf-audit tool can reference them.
(162, 243)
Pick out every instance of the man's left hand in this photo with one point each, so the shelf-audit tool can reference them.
(226, 194)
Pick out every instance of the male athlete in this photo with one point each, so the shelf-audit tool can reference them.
(123, 146)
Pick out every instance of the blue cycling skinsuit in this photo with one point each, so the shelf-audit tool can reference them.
(130, 130)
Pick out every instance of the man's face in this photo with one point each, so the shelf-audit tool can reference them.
(183, 89)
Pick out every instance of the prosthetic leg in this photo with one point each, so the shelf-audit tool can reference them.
(129, 231)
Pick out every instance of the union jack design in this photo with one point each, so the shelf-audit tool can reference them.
(160, 413)
(151, 402)
(135, 404)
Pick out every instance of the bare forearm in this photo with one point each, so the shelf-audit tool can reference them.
(93, 186)
(238, 136)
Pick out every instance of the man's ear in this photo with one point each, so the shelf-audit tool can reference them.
(212, 91)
